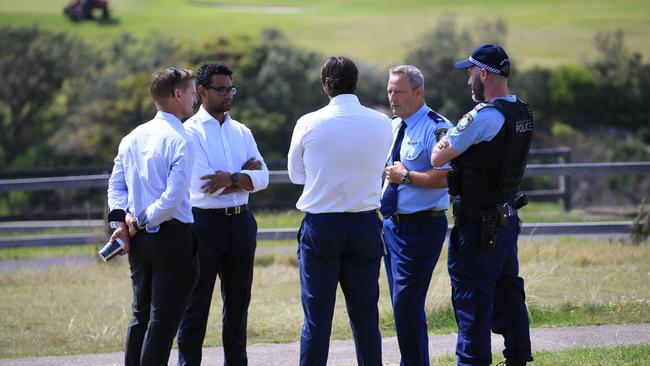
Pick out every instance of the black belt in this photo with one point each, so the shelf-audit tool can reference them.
(236, 210)
(173, 222)
(345, 213)
(417, 216)
(470, 213)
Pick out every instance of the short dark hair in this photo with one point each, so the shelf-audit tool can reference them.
(164, 82)
(204, 76)
(339, 75)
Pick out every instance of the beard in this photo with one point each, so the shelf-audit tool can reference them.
(220, 107)
(478, 91)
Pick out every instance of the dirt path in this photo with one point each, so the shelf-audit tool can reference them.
(342, 352)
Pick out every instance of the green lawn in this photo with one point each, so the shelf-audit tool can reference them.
(85, 309)
(380, 32)
(602, 356)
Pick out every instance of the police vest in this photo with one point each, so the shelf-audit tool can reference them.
(490, 172)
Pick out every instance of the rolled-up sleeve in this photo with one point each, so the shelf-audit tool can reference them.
(259, 178)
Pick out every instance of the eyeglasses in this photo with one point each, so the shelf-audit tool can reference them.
(222, 90)
(177, 75)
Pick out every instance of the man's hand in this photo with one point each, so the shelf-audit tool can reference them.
(231, 189)
(131, 224)
(443, 143)
(395, 172)
(122, 232)
(215, 182)
(252, 164)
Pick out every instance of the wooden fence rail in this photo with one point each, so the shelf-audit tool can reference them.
(282, 177)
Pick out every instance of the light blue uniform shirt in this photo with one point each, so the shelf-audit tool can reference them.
(480, 124)
(417, 147)
(151, 175)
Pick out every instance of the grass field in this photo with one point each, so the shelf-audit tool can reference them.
(85, 309)
(380, 32)
(604, 356)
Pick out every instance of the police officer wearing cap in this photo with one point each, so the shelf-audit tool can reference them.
(413, 203)
(488, 150)
(228, 168)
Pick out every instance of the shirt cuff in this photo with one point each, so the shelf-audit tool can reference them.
(117, 215)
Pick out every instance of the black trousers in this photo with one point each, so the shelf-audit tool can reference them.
(164, 267)
(227, 249)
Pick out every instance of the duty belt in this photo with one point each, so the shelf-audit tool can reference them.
(470, 213)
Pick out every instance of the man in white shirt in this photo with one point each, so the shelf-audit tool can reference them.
(149, 201)
(228, 167)
(338, 153)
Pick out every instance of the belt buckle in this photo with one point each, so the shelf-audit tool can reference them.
(235, 210)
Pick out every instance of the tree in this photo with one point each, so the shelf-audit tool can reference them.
(624, 82)
(112, 99)
(446, 88)
(34, 65)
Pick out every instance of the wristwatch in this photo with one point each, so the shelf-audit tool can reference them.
(406, 178)
(234, 178)
(138, 226)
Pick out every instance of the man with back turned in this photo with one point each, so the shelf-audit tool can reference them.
(338, 154)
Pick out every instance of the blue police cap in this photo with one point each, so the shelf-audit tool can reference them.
(491, 57)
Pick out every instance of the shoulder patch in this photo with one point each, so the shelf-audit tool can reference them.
(440, 133)
(464, 122)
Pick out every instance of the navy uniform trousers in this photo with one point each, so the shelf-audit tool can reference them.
(163, 270)
(226, 248)
(412, 251)
(488, 294)
(345, 248)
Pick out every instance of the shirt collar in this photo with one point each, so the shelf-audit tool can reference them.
(415, 117)
(204, 116)
(509, 98)
(169, 118)
(344, 99)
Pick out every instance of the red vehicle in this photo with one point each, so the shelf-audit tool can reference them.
(83, 9)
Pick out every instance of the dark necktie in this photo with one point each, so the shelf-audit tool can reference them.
(389, 199)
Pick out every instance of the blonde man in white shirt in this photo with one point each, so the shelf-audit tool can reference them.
(149, 201)
(338, 153)
(228, 167)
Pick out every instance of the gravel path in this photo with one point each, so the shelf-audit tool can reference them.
(342, 352)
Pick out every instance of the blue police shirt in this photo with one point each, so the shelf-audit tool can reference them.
(480, 124)
(417, 147)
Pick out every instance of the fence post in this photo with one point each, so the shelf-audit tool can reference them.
(565, 182)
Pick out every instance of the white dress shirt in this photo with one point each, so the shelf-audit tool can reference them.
(224, 147)
(151, 175)
(339, 154)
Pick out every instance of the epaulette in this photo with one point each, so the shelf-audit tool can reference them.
(435, 116)
(480, 106)
(394, 116)
(442, 131)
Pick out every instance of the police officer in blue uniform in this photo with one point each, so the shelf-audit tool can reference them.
(414, 200)
(488, 150)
